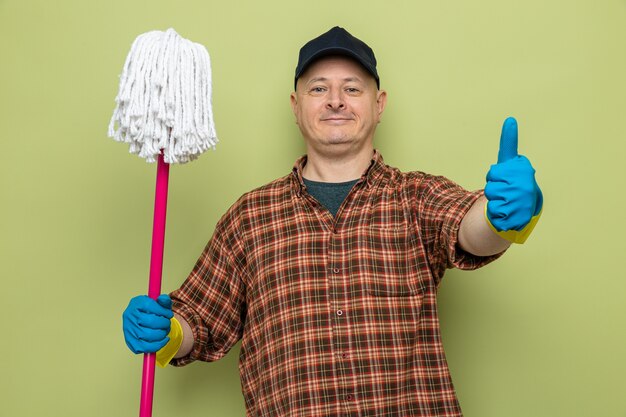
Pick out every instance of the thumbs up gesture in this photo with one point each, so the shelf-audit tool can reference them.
(514, 198)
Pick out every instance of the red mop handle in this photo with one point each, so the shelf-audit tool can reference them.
(156, 270)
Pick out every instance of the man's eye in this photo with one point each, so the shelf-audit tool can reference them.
(352, 90)
(318, 89)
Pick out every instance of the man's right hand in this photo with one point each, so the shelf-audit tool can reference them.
(146, 323)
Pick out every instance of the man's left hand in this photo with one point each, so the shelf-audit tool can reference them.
(514, 198)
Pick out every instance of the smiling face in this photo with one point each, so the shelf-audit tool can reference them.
(337, 107)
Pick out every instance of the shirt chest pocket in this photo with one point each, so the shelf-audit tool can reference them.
(388, 263)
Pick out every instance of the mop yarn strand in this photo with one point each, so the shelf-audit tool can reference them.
(164, 99)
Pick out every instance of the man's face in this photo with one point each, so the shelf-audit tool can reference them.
(337, 105)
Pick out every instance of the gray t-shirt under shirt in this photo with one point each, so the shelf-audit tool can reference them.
(329, 194)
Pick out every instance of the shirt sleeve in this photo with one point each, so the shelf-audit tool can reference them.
(212, 298)
(442, 204)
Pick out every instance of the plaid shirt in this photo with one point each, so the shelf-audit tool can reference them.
(337, 316)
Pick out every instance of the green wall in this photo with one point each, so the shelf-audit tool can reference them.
(540, 333)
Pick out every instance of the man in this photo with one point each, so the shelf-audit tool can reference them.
(329, 275)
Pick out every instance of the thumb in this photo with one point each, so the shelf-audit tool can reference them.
(165, 301)
(508, 140)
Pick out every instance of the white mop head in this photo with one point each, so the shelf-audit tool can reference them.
(164, 100)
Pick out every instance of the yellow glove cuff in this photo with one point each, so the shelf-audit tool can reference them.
(515, 236)
(167, 352)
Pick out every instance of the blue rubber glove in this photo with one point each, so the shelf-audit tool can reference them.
(146, 323)
(514, 196)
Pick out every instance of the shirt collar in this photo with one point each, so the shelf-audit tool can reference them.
(373, 171)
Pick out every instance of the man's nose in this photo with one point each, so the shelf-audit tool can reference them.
(335, 100)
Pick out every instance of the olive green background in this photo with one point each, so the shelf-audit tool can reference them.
(539, 333)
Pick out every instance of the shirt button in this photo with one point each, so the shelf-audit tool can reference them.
(336, 270)
(340, 312)
(349, 397)
(344, 355)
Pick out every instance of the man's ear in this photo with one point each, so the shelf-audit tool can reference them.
(381, 102)
(294, 104)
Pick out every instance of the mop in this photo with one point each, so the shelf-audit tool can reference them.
(163, 111)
